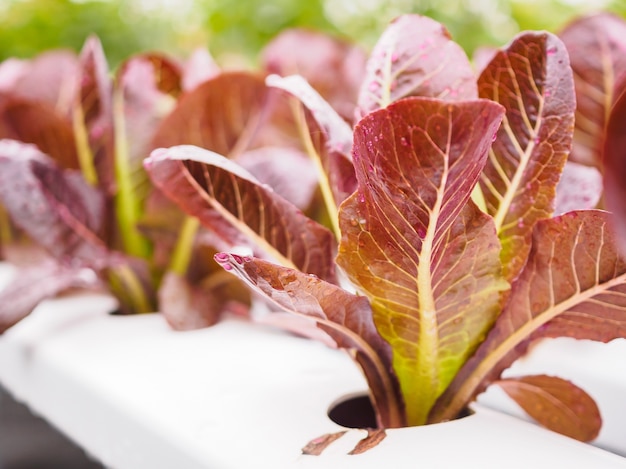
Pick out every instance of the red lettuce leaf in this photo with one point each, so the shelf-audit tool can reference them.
(149, 85)
(203, 294)
(227, 199)
(36, 283)
(531, 79)
(373, 439)
(189, 306)
(63, 215)
(38, 123)
(93, 117)
(317, 446)
(597, 51)
(200, 67)
(286, 170)
(57, 209)
(347, 318)
(166, 73)
(223, 115)
(145, 92)
(338, 131)
(412, 241)
(556, 404)
(327, 139)
(11, 70)
(49, 78)
(338, 168)
(586, 286)
(164, 216)
(580, 188)
(415, 56)
(143, 104)
(333, 67)
(573, 285)
(614, 161)
(482, 56)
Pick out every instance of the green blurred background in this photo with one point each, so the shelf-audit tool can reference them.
(234, 30)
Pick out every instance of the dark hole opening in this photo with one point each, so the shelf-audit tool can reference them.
(358, 412)
(354, 412)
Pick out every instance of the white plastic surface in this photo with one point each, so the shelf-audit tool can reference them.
(137, 395)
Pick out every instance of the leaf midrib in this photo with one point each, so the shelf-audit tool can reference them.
(428, 341)
(525, 155)
(545, 394)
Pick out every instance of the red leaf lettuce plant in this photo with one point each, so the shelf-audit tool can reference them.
(441, 198)
(73, 140)
(81, 193)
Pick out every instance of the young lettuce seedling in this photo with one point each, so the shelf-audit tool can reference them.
(447, 233)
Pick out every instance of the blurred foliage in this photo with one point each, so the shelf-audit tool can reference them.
(28, 27)
(244, 26)
(240, 28)
(471, 23)
(553, 15)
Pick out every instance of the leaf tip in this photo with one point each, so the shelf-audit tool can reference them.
(273, 80)
(156, 155)
(227, 260)
(223, 259)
